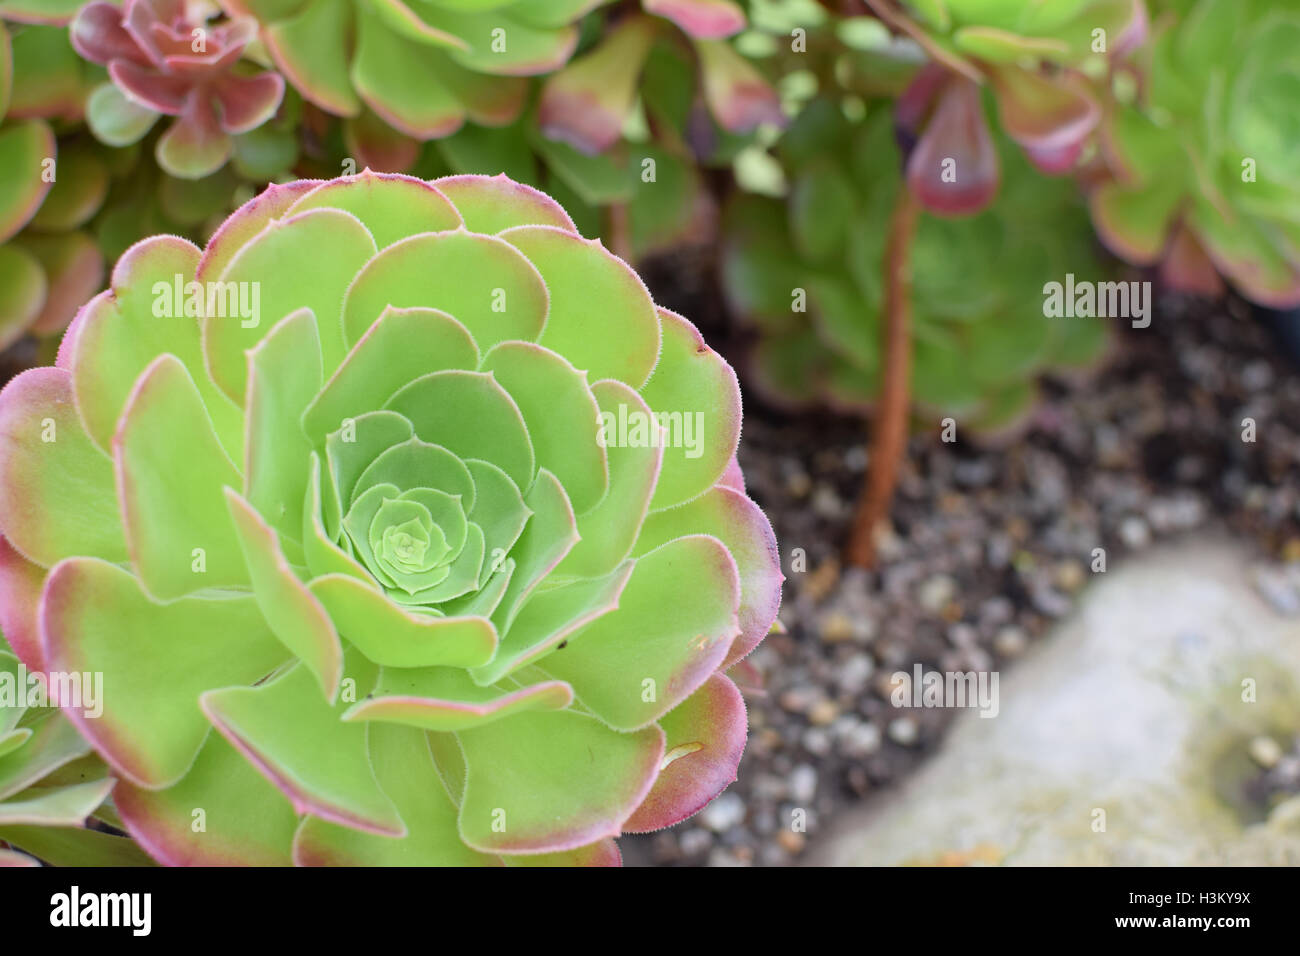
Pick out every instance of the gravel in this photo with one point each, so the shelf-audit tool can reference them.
(987, 548)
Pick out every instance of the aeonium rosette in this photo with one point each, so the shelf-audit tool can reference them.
(368, 574)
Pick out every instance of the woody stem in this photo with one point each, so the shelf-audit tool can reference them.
(889, 434)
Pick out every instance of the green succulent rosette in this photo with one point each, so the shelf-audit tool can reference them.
(1206, 173)
(423, 66)
(807, 274)
(381, 570)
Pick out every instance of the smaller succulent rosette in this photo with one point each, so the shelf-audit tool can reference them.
(446, 509)
(1205, 173)
(165, 57)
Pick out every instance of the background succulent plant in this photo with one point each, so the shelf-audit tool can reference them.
(435, 614)
(167, 57)
(808, 273)
(48, 264)
(1029, 55)
(1202, 151)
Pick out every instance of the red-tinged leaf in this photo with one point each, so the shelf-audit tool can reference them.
(954, 170)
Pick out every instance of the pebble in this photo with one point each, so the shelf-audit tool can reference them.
(823, 712)
(1133, 531)
(1010, 641)
(936, 593)
(817, 741)
(853, 677)
(1069, 576)
(723, 813)
(803, 783)
(695, 841)
(836, 628)
(904, 731)
(860, 741)
(791, 841)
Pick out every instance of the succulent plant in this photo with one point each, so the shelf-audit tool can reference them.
(1203, 157)
(423, 66)
(808, 275)
(1030, 55)
(446, 508)
(165, 57)
(49, 188)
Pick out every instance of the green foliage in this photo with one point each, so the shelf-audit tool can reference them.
(809, 274)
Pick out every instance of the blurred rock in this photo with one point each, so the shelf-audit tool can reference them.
(1136, 735)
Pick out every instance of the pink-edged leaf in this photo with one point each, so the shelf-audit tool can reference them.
(733, 477)
(693, 379)
(390, 206)
(319, 762)
(705, 740)
(246, 222)
(98, 35)
(311, 48)
(291, 612)
(446, 699)
(1186, 267)
(602, 853)
(405, 771)
(20, 597)
(557, 780)
(956, 146)
(94, 617)
(57, 494)
(702, 19)
(1041, 114)
(741, 525)
(492, 204)
(194, 145)
(674, 625)
(738, 96)
(74, 266)
(378, 146)
(171, 471)
(248, 101)
(148, 87)
(587, 102)
(247, 821)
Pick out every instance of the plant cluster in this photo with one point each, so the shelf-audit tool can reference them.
(446, 505)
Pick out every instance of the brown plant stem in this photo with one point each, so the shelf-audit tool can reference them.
(889, 431)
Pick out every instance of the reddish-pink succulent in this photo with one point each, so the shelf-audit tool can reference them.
(166, 57)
